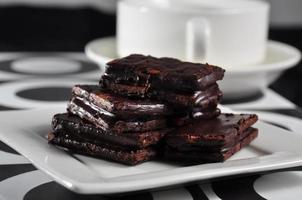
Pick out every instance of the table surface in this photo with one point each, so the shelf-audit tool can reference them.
(26, 83)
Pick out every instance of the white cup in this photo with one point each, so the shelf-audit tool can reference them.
(220, 32)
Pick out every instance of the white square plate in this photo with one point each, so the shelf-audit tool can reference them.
(26, 132)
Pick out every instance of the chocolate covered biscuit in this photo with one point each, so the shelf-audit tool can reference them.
(145, 108)
(100, 99)
(107, 110)
(105, 151)
(110, 122)
(204, 99)
(218, 131)
(218, 155)
(159, 73)
(79, 128)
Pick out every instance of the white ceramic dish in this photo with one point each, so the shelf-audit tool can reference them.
(238, 81)
(26, 132)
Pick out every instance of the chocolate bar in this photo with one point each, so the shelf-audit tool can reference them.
(110, 122)
(219, 131)
(198, 99)
(105, 151)
(198, 157)
(105, 110)
(197, 147)
(158, 73)
(102, 100)
(78, 128)
(202, 98)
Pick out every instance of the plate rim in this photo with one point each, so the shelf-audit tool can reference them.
(254, 68)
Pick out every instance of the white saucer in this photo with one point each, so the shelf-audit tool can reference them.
(238, 81)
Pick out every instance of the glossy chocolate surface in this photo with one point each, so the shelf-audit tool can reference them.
(194, 114)
(79, 128)
(212, 147)
(108, 152)
(217, 131)
(203, 98)
(163, 72)
(112, 123)
(198, 157)
(115, 104)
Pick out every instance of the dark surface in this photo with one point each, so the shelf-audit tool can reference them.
(8, 149)
(237, 189)
(167, 73)
(289, 84)
(76, 127)
(105, 151)
(7, 171)
(245, 99)
(54, 191)
(197, 193)
(25, 28)
(42, 94)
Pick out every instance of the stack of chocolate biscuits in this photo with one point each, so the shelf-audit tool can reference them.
(103, 124)
(145, 108)
(188, 87)
(213, 140)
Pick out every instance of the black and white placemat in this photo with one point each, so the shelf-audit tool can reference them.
(34, 80)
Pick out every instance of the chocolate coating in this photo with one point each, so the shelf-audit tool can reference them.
(195, 114)
(201, 99)
(204, 98)
(218, 131)
(77, 128)
(198, 157)
(108, 152)
(115, 104)
(109, 122)
(158, 73)
(201, 147)
(109, 111)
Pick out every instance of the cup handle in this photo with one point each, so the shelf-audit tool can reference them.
(197, 39)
